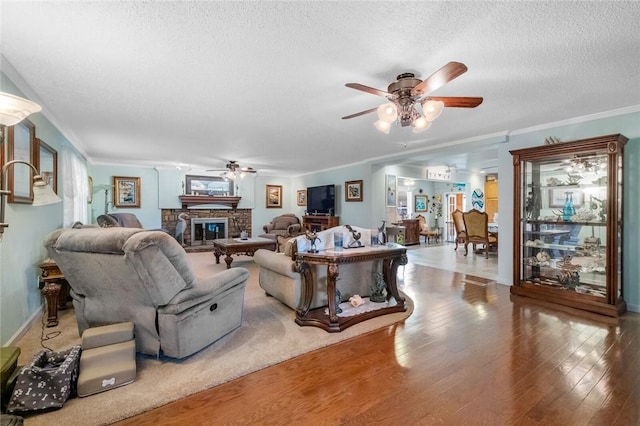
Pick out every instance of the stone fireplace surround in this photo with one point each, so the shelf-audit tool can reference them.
(170, 219)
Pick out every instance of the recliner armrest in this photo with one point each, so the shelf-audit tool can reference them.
(268, 228)
(294, 229)
(204, 289)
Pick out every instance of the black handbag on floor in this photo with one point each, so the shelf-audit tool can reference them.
(46, 382)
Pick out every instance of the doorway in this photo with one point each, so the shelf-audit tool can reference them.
(453, 201)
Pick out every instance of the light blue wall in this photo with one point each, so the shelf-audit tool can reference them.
(148, 213)
(21, 250)
(350, 212)
(261, 215)
(159, 189)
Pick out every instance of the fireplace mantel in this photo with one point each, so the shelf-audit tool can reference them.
(194, 200)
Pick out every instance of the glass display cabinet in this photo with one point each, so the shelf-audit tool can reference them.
(568, 226)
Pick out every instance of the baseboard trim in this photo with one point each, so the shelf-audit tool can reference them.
(26, 326)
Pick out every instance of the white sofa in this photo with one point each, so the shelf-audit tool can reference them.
(279, 277)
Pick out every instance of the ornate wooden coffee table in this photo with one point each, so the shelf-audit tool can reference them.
(229, 246)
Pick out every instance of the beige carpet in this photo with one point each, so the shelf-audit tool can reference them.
(268, 336)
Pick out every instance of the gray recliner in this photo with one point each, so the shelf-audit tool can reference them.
(125, 220)
(127, 274)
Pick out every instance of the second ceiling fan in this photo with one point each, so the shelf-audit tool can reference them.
(233, 170)
(407, 91)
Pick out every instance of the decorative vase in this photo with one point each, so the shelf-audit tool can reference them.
(568, 209)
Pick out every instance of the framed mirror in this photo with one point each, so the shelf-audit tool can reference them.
(213, 186)
(48, 164)
(21, 145)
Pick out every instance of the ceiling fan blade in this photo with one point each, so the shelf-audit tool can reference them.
(439, 78)
(367, 89)
(358, 114)
(458, 102)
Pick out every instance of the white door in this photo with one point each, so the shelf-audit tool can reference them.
(453, 201)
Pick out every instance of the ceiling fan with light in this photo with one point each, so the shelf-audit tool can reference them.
(233, 170)
(407, 92)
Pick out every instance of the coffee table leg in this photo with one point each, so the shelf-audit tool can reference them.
(217, 253)
(228, 259)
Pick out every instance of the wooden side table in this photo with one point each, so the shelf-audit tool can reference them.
(55, 289)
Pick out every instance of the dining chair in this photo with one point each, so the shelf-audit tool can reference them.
(458, 223)
(426, 231)
(476, 224)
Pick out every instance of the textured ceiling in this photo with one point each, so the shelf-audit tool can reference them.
(200, 83)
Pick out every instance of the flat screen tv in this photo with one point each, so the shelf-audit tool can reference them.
(321, 200)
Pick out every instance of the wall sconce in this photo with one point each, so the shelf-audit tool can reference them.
(13, 109)
(42, 192)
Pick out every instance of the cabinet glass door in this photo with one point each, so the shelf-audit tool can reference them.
(564, 223)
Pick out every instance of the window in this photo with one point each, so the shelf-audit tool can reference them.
(75, 188)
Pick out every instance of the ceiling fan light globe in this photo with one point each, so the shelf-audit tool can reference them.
(383, 126)
(388, 112)
(432, 109)
(420, 124)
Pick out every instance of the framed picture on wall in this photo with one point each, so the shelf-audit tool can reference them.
(126, 191)
(421, 203)
(391, 190)
(48, 164)
(301, 197)
(274, 196)
(21, 145)
(353, 190)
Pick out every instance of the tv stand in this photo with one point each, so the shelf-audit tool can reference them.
(319, 223)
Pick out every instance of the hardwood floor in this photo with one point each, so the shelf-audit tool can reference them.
(467, 355)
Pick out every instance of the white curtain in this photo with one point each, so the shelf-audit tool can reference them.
(75, 185)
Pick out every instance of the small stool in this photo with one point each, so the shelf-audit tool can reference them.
(108, 358)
